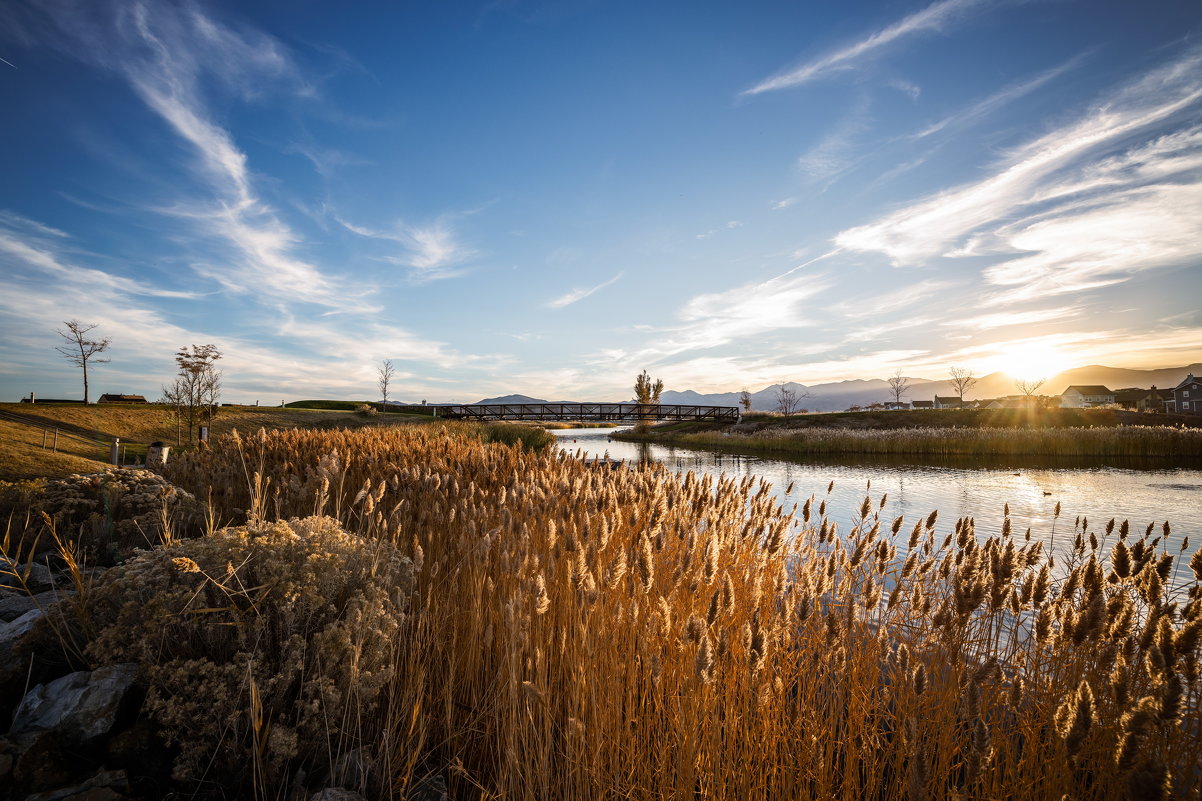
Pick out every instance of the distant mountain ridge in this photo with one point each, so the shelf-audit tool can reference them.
(838, 395)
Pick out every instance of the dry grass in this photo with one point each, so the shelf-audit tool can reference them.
(581, 633)
(1114, 441)
(22, 455)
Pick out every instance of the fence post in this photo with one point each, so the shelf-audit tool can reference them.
(55, 446)
(113, 450)
(45, 433)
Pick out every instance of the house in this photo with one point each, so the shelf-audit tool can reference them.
(1143, 400)
(896, 405)
(950, 402)
(1187, 397)
(923, 405)
(109, 397)
(991, 403)
(1086, 396)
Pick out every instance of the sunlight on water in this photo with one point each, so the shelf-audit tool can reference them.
(1096, 493)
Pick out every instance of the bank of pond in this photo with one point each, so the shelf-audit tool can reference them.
(415, 610)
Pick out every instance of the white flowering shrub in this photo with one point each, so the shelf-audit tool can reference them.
(266, 648)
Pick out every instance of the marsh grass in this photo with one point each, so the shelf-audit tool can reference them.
(581, 633)
(1099, 441)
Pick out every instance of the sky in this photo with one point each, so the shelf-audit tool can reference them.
(549, 197)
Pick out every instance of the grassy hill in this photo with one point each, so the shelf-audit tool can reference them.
(85, 431)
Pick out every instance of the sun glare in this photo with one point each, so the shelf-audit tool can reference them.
(1029, 361)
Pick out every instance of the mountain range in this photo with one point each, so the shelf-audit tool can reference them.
(840, 395)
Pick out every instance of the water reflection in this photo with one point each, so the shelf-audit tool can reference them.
(957, 488)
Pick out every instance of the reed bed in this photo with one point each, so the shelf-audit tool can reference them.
(1093, 441)
(571, 632)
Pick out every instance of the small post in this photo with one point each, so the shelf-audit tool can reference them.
(55, 446)
(45, 433)
(204, 434)
(113, 450)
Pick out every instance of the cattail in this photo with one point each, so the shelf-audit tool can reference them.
(919, 679)
(693, 629)
(644, 563)
(1170, 699)
(805, 509)
(1075, 717)
(705, 660)
(542, 601)
(931, 518)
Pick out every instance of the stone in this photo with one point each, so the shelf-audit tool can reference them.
(108, 785)
(81, 706)
(16, 629)
(336, 794)
(32, 576)
(13, 606)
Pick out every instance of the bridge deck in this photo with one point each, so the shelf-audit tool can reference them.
(610, 412)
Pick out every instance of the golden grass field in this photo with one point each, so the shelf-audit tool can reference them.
(523, 626)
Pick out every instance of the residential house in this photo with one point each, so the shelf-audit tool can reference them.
(923, 405)
(1086, 396)
(895, 406)
(950, 402)
(109, 397)
(1142, 400)
(1187, 396)
(991, 403)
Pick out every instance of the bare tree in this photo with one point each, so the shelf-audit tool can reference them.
(199, 381)
(745, 400)
(1027, 386)
(899, 386)
(787, 400)
(385, 372)
(962, 381)
(175, 396)
(80, 350)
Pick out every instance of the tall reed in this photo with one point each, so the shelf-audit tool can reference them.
(582, 633)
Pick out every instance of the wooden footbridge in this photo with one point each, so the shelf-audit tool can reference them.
(601, 412)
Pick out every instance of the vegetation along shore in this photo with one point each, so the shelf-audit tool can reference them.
(410, 611)
(1042, 433)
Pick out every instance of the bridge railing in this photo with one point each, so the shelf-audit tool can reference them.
(602, 412)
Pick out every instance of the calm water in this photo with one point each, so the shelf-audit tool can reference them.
(1098, 493)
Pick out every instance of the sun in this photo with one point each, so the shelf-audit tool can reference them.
(1029, 361)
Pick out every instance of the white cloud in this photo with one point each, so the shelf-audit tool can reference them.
(784, 204)
(1033, 182)
(729, 226)
(568, 298)
(932, 18)
(432, 251)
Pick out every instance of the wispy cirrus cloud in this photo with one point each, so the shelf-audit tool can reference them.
(728, 226)
(934, 17)
(432, 251)
(1009, 94)
(580, 293)
(1089, 204)
(166, 54)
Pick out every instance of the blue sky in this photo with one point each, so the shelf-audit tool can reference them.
(547, 198)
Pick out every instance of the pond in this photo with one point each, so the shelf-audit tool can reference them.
(1141, 494)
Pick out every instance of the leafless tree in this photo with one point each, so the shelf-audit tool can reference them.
(175, 396)
(199, 381)
(899, 386)
(789, 400)
(80, 349)
(745, 400)
(962, 381)
(385, 371)
(1027, 386)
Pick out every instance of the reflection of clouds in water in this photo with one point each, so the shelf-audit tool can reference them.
(915, 490)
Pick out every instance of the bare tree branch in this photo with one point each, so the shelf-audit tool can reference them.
(82, 350)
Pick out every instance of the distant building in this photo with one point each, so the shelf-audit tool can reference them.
(1143, 400)
(991, 403)
(1086, 396)
(950, 402)
(109, 397)
(896, 406)
(1187, 397)
(923, 404)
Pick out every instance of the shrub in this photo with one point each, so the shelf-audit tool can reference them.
(108, 514)
(365, 409)
(266, 647)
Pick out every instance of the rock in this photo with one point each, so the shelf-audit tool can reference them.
(109, 785)
(431, 788)
(32, 576)
(45, 763)
(336, 794)
(353, 768)
(16, 605)
(80, 706)
(16, 629)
